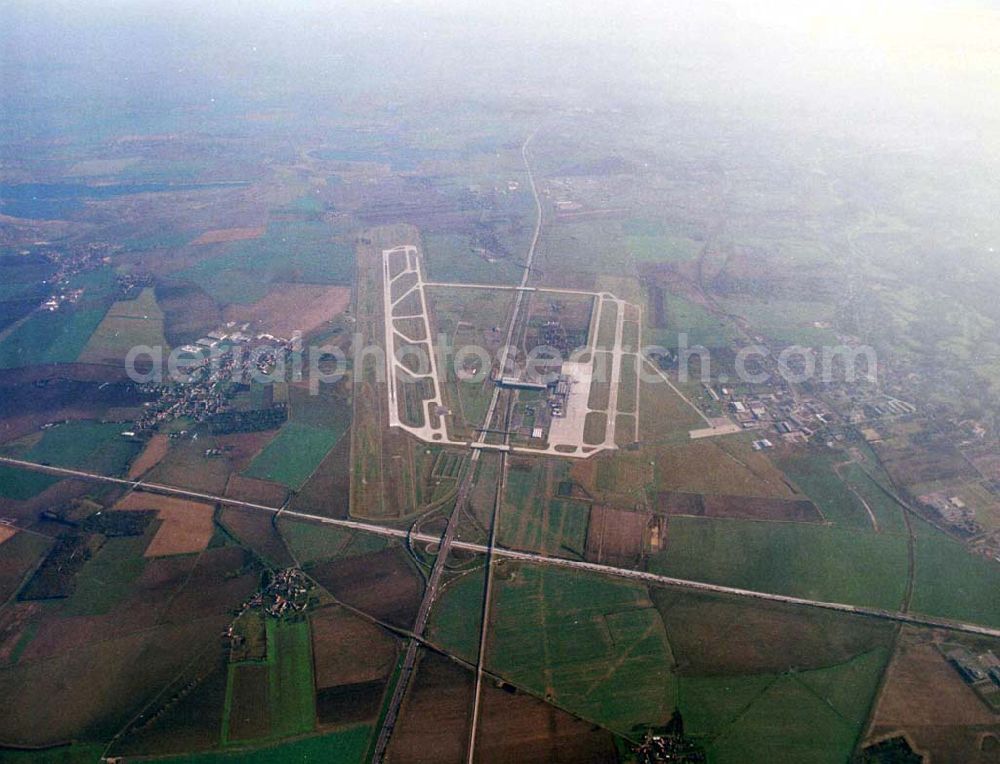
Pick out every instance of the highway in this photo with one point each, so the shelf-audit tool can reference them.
(529, 557)
(461, 501)
(498, 497)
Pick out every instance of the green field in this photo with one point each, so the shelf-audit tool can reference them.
(90, 446)
(596, 645)
(808, 716)
(21, 484)
(661, 248)
(59, 336)
(292, 455)
(798, 559)
(325, 409)
(555, 526)
(107, 578)
(580, 248)
(310, 542)
(128, 323)
(787, 321)
(76, 753)
(450, 258)
(686, 317)
(455, 620)
(814, 474)
(346, 745)
(291, 693)
(887, 512)
(953, 583)
(300, 252)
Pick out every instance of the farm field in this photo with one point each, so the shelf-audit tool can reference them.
(953, 583)
(815, 715)
(185, 526)
(535, 520)
(59, 336)
(948, 723)
(384, 583)
(185, 465)
(353, 662)
(454, 622)
(150, 455)
(817, 478)
(888, 513)
(293, 455)
(298, 252)
(127, 324)
(798, 559)
(92, 446)
(291, 307)
(275, 697)
(596, 646)
(310, 542)
(347, 745)
(439, 715)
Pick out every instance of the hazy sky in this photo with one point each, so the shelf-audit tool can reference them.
(935, 62)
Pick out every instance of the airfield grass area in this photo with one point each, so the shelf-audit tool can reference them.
(695, 322)
(467, 318)
(665, 416)
(660, 247)
(451, 259)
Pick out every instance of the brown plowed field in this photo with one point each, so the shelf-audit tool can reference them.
(434, 722)
(383, 585)
(925, 698)
(517, 727)
(290, 307)
(222, 235)
(256, 491)
(151, 455)
(186, 525)
(615, 536)
(349, 650)
(721, 636)
(743, 507)
(255, 529)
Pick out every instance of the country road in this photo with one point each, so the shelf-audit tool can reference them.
(531, 557)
